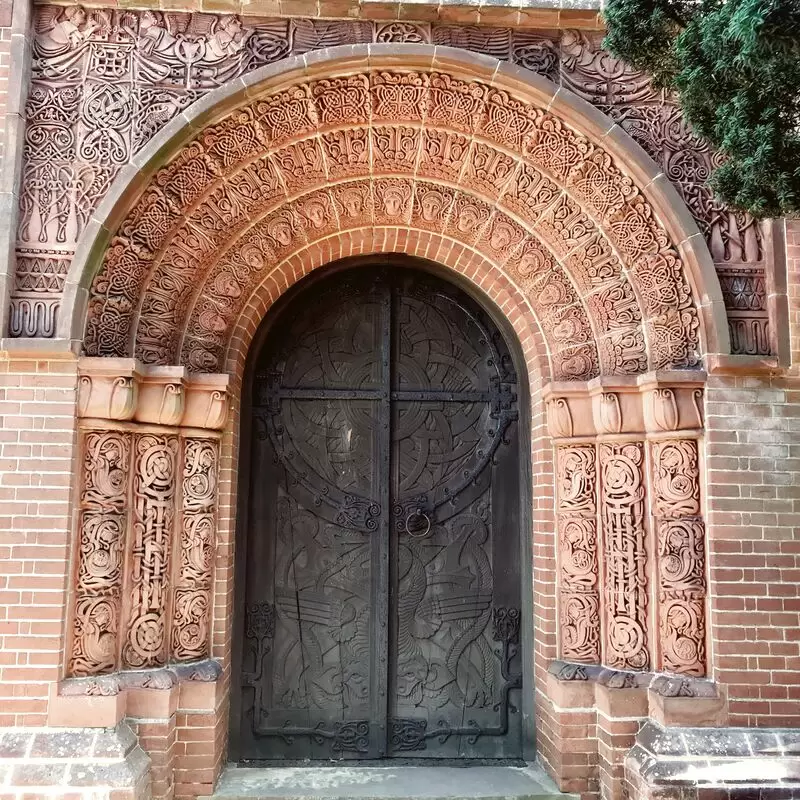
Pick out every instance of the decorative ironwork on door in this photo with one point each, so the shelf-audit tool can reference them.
(382, 567)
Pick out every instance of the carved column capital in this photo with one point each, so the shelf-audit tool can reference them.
(654, 404)
(123, 389)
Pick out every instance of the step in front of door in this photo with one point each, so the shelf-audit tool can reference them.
(387, 783)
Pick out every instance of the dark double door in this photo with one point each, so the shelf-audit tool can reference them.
(382, 602)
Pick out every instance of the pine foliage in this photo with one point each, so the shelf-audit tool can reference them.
(735, 66)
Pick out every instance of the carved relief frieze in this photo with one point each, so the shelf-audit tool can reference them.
(744, 289)
(579, 590)
(104, 81)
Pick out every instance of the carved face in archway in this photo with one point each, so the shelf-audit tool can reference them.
(468, 218)
(432, 204)
(502, 236)
(352, 202)
(315, 212)
(393, 202)
(281, 232)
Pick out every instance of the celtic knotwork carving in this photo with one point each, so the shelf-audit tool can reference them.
(681, 555)
(342, 100)
(579, 598)
(624, 554)
(401, 97)
(101, 551)
(408, 32)
(192, 595)
(105, 124)
(104, 81)
(203, 201)
(676, 479)
(153, 518)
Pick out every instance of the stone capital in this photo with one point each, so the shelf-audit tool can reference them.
(654, 404)
(124, 389)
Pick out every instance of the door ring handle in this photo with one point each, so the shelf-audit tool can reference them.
(427, 530)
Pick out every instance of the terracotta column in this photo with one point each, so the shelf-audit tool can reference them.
(579, 589)
(679, 533)
(630, 530)
(148, 496)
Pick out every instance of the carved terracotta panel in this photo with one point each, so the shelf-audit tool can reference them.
(154, 491)
(681, 556)
(102, 529)
(191, 607)
(625, 557)
(579, 589)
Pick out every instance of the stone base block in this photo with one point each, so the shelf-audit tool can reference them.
(87, 763)
(714, 764)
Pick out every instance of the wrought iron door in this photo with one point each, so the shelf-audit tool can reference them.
(382, 568)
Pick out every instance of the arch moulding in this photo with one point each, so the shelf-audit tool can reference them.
(535, 197)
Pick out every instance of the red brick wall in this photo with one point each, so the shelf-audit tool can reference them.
(753, 496)
(37, 464)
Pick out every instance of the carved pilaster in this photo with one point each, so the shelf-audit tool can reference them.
(579, 596)
(101, 552)
(622, 496)
(153, 518)
(681, 555)
(191, 607)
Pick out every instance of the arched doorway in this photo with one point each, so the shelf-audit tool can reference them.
(382, 548)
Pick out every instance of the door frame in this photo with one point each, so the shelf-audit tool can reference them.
(527, 632)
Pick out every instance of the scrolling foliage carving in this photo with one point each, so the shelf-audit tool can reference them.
(625, 554)
(101, 549)
(681, 556)
(153, 518)
(579, 596)
(192, 598)
(104, 81)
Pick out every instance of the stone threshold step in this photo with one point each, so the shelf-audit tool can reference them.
(387, 783)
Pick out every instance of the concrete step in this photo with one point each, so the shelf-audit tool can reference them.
(387, 783)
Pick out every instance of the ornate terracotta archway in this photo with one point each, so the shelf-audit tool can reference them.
(538, 199)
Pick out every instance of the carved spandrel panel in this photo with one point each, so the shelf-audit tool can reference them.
(386, 621)
(625, 590)
(101, 552)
